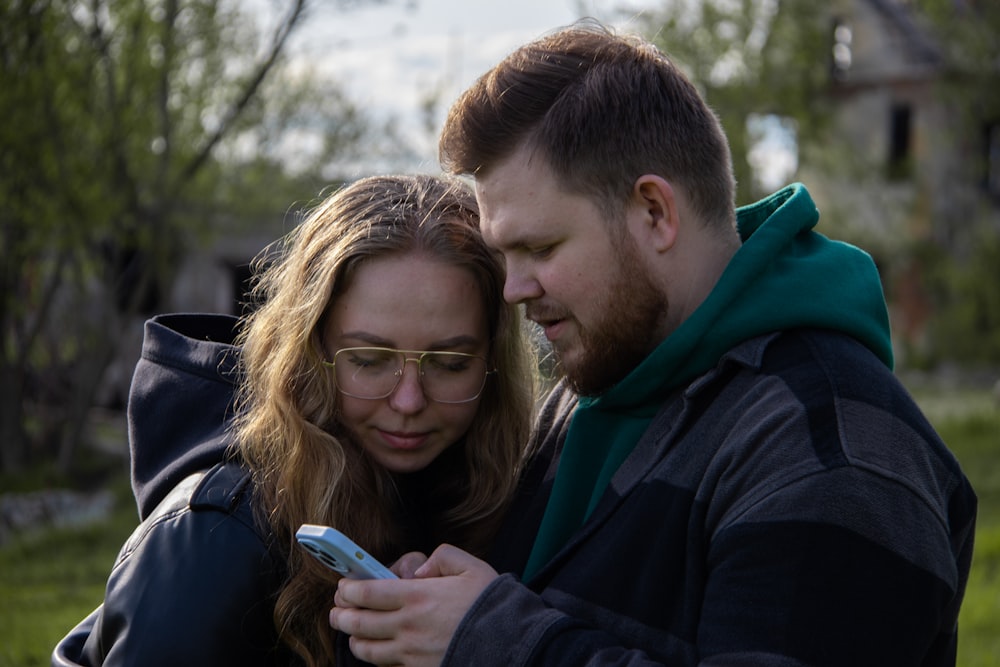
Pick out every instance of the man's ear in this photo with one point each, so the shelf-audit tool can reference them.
(655, 200)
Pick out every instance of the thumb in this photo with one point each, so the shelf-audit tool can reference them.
(406, 566)
(448, 561)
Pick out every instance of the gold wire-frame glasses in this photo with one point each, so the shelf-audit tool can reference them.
(372, 373)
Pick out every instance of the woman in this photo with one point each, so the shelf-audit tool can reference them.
(385, 389)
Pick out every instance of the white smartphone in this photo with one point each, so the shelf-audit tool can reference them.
(339, 553)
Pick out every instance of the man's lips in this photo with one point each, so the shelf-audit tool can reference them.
(398, 440)
(550, 322)
(552, 328)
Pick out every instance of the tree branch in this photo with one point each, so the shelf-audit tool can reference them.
(163, 94)
(277, 45)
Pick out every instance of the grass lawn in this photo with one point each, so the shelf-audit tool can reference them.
(51, 580)
(975, 439)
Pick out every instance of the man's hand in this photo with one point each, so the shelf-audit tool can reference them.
(407, 565)
(410, 622)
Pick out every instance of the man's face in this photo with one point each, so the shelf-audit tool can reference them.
(592, 296)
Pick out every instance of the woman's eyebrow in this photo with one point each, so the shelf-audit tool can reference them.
(455, 341)
(462, 340)
(367, 338)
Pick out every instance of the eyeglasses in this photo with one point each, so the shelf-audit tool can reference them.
(375, 372)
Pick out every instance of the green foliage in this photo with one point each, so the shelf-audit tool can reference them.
(966, 299)
(751, 58)
(130, 128)
(967, 32)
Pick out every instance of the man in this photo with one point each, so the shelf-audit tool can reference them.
(729, 473)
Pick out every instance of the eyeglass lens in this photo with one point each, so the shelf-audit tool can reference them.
(373, 372)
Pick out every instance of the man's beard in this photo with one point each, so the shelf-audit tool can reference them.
(634, 310)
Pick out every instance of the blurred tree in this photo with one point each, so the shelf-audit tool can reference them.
(962, 256)
(767, 64)
(129, 126)
(763, 65)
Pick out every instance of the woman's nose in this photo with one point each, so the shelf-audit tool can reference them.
(408, 396)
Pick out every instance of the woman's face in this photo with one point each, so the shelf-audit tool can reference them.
(407, 302)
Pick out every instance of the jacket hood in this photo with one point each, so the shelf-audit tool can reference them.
(180, 402)
(784, 276)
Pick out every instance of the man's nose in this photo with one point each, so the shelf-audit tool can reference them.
(520, 284)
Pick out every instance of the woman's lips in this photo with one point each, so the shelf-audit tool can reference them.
(404, 441)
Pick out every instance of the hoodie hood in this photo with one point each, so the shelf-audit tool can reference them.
(784, 276)
(180, 402)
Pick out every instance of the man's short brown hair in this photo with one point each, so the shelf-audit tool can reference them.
(602, 109)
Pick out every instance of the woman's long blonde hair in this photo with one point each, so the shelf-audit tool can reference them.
(305, 467)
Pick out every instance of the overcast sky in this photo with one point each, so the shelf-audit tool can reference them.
(390, 54)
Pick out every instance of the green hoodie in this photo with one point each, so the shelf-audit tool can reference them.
(784, 276)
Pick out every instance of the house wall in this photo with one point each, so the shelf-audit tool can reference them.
(931, 191)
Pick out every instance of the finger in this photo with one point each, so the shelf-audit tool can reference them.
(339, 601)
(374, 652)
(380, 594)
(408, 564)
(447, 561)
(362, 623)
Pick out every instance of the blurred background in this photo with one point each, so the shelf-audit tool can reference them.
(150, 149)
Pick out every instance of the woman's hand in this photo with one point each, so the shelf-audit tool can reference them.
(410, 621)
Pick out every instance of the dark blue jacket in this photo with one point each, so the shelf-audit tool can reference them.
(195, 583)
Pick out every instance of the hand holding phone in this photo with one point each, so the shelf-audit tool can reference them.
(339, 553)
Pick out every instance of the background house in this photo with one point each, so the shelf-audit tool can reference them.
(915, 174)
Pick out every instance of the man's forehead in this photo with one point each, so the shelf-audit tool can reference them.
(507, 221)
(518, 197)
(490, 210)
(489, 225)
